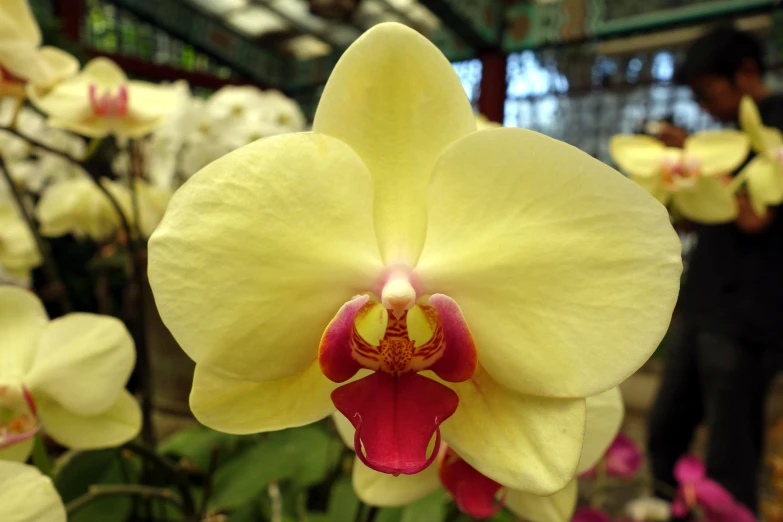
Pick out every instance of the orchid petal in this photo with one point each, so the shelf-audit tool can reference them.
(534, 443)
(557, 261)
(604, 418)
(718, 152)
(83, 362)
(258, 251)
(239, 406)
(28, 496)
(750, 121)
(18, 250)
(654, 186)
(385, 490)
(555, 508)
(710, 201)
(116, 425)
(765, 183)
(689, 470)
(18, 452)
(22, 318)
(636, 154)
(395, 100)
(18, 25)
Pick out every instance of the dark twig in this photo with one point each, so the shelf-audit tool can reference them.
(49, 266)
(146, 492)
(209, 479)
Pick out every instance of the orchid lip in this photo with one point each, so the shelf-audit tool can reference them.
(18, 415)
(108, 104)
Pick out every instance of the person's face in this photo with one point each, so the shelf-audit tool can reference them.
(717, 95)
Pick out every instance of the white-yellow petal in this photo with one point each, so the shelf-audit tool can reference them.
(18, 452)
(764, 178)
(558, 507)
(18, 250)
(117, 425)
(344, 428)
(22, 319)
(557, 261)
(28, 496)
(258, 251)
(750, 121)
(395, 100)
(604, 417)
(83, 362)
(385, 490)
(523, 442)
(718, 152)
(636, 154)
(238, 406)
(152, 203)
(18, 25)
(709, 202)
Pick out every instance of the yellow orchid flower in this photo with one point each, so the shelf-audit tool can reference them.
(502, 276)
(100, 101)
(479, 496)
(78, 207)
(66, 375)
(691, 179)
(764, 173)
(483, 123)
(18, 251)
(28, 496)
(22, 59)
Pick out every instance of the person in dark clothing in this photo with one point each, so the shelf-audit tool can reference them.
(730, 330)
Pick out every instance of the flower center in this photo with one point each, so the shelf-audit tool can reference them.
(680, 174)
(396, 411)
(108, 105)
(18, 415)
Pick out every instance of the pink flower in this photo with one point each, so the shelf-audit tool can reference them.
(623, 458)
(590, 515)
(696, 491)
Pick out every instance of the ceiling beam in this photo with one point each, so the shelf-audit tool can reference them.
(477, 22)
(296, 24)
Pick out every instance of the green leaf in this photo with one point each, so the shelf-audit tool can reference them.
(431, 508)
(313, 453)
(389, 515)
(195, 446)
(343, 502)
(502, 516)
(76, 471)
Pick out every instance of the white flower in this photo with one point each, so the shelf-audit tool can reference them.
(649, 509)
(28, 496)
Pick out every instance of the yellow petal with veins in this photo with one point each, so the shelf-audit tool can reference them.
(636, 154)
(523, 442)
(603, 420)
(83, 362)
(395, 100)
(22, 318)
(710, 202)
(28, 496)
(654, 185)
(718, 152)
(232, 405)
(258, 251)
(557, 261)
(558, 507)
(17, 25)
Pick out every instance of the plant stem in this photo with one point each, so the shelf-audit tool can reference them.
(49, 266)
(209, 480)
(176, 475)
(146, 492)
(276, 500)
(40, 456)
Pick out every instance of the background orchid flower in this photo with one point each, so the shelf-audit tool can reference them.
(499, 276)
(478, 495)
(67, 376)
(689, 178)
(18, 251)
(76, 206)
(28, 496)
(623, 458)
(588, 514)
(764, 173)
(22, 59)
(100, 101)
(698, 493)
(649, 509)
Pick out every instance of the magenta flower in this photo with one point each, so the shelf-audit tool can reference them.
(622, 459)
(696, 492)
(590, 515)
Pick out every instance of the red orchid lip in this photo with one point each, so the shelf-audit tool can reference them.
(395, 411)
(475, 493)
(23, 426)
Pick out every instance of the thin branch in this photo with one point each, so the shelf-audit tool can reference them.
(145, 492)
(178, 478)
(49, 266)
(209, 479)
(277, 501)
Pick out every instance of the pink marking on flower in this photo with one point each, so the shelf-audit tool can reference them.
(108, 105)
(334, 352)
(623, 457)
(395, 417)
(25, 424)
(590, 515)
(459, 360)
(475, 494)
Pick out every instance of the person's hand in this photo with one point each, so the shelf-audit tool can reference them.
(671, 135)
